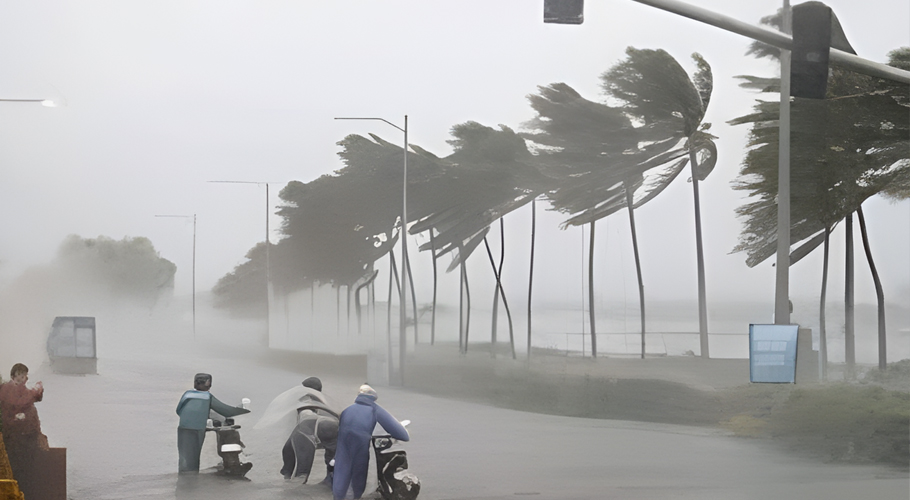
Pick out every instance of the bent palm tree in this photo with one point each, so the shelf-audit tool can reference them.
(657, 92)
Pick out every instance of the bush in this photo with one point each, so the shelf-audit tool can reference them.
(847, 422)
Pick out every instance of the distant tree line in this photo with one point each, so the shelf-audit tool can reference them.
(102, 270)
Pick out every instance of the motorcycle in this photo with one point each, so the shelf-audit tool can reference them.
(229, 446)
(396, 482)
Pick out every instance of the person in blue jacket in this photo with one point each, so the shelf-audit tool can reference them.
(193, 408)
(355, 427)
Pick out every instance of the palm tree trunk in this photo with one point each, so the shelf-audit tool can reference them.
(822, 332)
(393, 277)
(849, 343)
(348, 305)
(700, 258)
(641, 286)
(388, 313)
(357, 309)
(531, 269)
(499, 291)
(495, 299)
(591, 293)
(413, 298)
(467, 296)
(505, 303)
(373, 306)
(435, 279)
(367, 284)
(879, 293)
(461, 348)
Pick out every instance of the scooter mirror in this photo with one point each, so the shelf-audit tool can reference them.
(405, 423)
(245, 403)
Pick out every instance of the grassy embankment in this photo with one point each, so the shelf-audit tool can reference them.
(863, 421)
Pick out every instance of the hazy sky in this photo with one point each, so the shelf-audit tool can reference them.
(163, 96)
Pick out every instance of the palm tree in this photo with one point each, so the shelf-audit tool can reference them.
(489, 174)
(602, 162)
(849, 147)
(657, 92)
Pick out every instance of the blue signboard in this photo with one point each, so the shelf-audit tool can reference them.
(772, 353)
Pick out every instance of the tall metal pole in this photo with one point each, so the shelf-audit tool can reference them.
(402, 329)
(268, 271)
(402, 298)
(782, 282)
(194, 276)
(268, 266)
(44, 102)
(837, 57)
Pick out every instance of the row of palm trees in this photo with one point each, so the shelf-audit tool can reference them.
(588, 159)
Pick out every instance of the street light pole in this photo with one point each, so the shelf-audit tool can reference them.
(47, 103)
(402, 330)
(268, 243)
(782, 278)
(194, 264)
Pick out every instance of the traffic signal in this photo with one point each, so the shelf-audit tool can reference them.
(564, 11)
(812, 23)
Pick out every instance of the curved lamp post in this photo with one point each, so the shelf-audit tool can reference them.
(402, 337)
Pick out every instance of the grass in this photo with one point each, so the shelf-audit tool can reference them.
(864, 421)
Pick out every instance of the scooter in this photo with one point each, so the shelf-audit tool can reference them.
(396, 482)
(229, 446)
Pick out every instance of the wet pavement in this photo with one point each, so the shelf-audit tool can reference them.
(119, 429)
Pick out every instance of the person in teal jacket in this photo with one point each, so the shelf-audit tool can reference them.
(193, 409)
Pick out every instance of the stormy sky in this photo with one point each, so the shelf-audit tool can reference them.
(162, 97)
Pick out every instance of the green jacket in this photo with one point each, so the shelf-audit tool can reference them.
(194, 407)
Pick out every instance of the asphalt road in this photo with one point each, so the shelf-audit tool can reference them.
(119, 429)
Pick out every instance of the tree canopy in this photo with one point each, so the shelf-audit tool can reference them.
(129, 268)
(844, 149)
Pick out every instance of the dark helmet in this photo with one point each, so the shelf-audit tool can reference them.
(313, 383)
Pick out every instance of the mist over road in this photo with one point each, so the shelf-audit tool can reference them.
(119, 428)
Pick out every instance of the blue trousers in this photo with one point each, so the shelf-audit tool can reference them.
(352, 464)
(189, 447)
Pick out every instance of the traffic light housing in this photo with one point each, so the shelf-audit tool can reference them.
(564, 11)
(812, 25)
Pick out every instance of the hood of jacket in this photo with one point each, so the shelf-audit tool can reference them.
(365, 399)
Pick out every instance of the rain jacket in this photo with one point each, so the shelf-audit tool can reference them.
(352, 457)
(16, 399)
(194, 407)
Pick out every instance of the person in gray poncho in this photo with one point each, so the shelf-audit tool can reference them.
(193, 409)
(317, 427)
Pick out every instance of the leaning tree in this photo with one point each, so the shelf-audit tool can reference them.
(656, 91)
(844, 149)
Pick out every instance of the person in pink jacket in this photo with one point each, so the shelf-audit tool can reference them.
(21, 428)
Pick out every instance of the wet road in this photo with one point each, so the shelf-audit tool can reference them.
(119, 428)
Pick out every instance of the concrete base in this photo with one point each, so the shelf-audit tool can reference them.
(806, 358)
(75, 366)
(45, 479)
